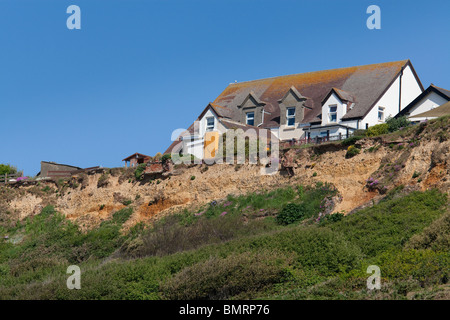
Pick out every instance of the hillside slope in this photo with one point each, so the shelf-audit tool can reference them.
(417, 157)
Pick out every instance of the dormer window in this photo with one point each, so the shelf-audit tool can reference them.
(290, 116)
(250, 118)
(210, 123)
(380, 114)
(332, 113)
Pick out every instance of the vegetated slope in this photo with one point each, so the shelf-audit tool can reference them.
(236, 248)
(416, 157)
(261, 237)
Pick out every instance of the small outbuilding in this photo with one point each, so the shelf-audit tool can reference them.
(136, 159)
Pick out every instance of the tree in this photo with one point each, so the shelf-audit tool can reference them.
(7, 169)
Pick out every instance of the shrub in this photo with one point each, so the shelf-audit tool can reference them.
(378, 129)
(103, 180)
(7, 169)
(426, 266)
(192, 177)
(352, 151)
(158, 156)
(395, 124)
(390, 224)
(222, 278)
(294, 212)
(139, 173)
(352, 140)
(166, 157)
(415, 174)
(435, 237)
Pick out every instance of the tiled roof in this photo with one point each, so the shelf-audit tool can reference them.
(366, 84)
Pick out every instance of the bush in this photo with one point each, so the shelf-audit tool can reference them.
(395, 124)
(351, 141)
(103, 180)
(390, 224)
(435, 237)
(7, 169)
(426, 266)
(352, 151)
(222, 278)
(138, 174)
(293, 213)
(378, 129)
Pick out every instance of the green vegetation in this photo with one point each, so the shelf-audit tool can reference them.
(237, 249)
(395, 124)
(352, 151)
(377, 130)
(7, 169)
(351, 141)
(139, 173)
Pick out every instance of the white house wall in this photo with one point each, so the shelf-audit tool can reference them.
(217, 125)
(287, 133)
(430, 101)
(410, 90)
(333, 100)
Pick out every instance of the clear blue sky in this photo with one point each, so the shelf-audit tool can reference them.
(138, 69)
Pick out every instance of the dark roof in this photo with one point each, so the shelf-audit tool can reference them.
(136, 155)
(365, 83)
(432, 88)
(60, 164)
(440, 111)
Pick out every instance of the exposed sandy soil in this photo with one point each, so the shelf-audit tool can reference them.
(88, 204)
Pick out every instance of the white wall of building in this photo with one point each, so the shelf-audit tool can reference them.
(410, 90)
(287, 133)
(333, 100)
(428, 102)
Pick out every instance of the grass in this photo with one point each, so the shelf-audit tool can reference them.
(243, 254)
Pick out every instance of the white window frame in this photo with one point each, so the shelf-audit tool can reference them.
(210, 127)
(332, 113)
(380, 110)
(247, 117)
(290, 117)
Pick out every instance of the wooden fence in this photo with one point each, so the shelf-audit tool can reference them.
(6, 177)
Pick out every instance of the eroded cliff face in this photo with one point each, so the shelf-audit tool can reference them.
(418, 160)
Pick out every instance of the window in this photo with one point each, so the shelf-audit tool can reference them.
(380, 114)
(209, 123)
(250, 119)
(290, 116)
(323, 133)
(332, 113)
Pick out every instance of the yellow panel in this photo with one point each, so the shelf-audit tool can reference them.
(211, 144)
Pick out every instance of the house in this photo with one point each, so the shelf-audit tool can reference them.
(136, 159)
(429, 99)
(56, 170)
(440, 111)
(306, 105)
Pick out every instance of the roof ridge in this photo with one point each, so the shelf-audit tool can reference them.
(326, 70)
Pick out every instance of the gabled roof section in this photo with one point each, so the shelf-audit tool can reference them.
(295, 92)
(440, 111)
(251, 95)
(432, 88)
(218, 110)
(366, 83)
(136, 155)
(344, 96)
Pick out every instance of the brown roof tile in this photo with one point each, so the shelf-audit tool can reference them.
(365, 83)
